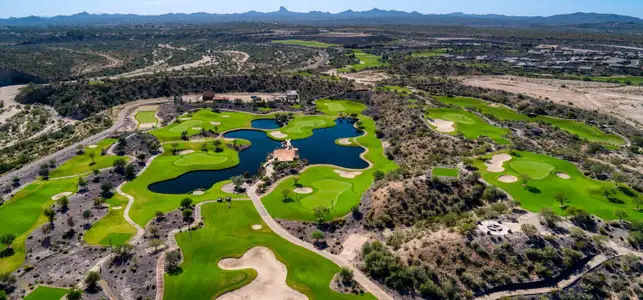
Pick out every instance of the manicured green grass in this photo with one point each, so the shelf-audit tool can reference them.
(228, 233)
(582, 192)
(502, 112)
(445, 172)
(146, 117)
(47, 293)
(165, 167)
(469, 124)
(111, 229)
(367, 61)
(23, 213)
(329, 189)
(204, 119)
(314, 44)
(81, 164)
(335, 107)
(302, 127)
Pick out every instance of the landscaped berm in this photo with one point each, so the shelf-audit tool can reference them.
(537, 181)
(228, 233)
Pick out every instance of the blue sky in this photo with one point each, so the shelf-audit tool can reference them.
(20, 8)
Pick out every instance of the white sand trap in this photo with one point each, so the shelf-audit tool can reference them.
(145, 126)
(345, 141)
(353, 246)
(507, 179)
(198, 192)
(442, 125)
(303, 190)
(278, 134)
(347, 174)
(228, 188)
(562, 175)
(494, 105)
(256, 227)
(196, 128)
(215, 123)
(186, 152)
(271, 277)
(92, 146)
(117, 208)
(225, 116)
(185, 119)
(495, 163)
(58, 196)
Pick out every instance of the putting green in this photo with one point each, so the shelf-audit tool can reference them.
(533, 169)
(228, 233)
(185, 125)
(458, 118)
(469, 124)
(200, 158)
(326, 190)
(303, 127)
(600, 198)
(334, 107)
(146, 117)
(47, 293)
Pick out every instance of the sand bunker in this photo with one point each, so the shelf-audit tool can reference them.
(270, 281)
(347, 174)
(507, 179)
(196, 128)
(186, 152)
(256, 227)
(225, 116)
(303, 190)
(198, 192)
(184, 119)
(494, 105)
(58, 196)
(345, 141)
(278, 134)
(495, 163)
(228, 188)
(215, 123)
(117, 208)
(562, 175)
(146, 126)
(92, 146)
(442, 125)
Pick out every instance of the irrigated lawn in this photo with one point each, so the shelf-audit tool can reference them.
(327, 185)
(367, 61)
(502, 112)
(168, 166)
(314, 44)
(334, 107)
(302, 127)
(228, 233)
(81, 164)
(204, 119)
(469, 124)
(146, 117)
(111, 229)
(22, 214)
(445, 172)
(583, 192)
(47, 293)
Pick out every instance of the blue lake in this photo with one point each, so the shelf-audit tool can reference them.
(265, 124)
(317, 149)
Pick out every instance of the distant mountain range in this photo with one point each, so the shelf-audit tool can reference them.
(374, 16)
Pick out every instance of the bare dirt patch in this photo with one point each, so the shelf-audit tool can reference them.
(228, 188)
(347, 174)
(365, 78)
(507, 179)
(562, 175)
(278, 134)
(442, 125)
(58, 196)
(353, 246)
(495, 163)
(271, 276)
(303, 190)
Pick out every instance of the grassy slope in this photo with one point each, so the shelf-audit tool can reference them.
(502, 112)
(202, 119)
(469, 124)
(227, 233)
(368, 61)
(81, 164)
(164, 168)
(300, 208)
(314, 44)
(113, 225)
(303, 126)
(47, 293)
(146, 117)
(583, 192)
(22, 214)
(446, 172)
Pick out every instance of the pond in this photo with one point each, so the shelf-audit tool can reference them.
(265, 124)
(317, 149)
